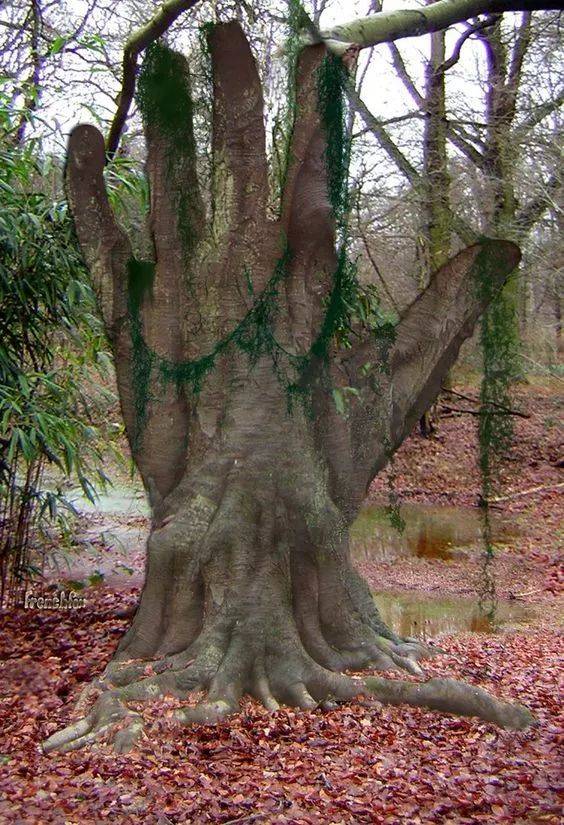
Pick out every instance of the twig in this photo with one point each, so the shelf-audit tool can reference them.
(546, 370)
(508, 410)
(530, 491)
(460, 411)
(527, 593)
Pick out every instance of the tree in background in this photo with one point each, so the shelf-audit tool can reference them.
(496, 139)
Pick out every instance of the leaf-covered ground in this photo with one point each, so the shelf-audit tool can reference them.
(360, 763)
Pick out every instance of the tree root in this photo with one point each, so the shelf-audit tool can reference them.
(451, 696)
(108, 710)
(293, 679)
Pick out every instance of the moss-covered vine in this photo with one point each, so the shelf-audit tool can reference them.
(165, 104)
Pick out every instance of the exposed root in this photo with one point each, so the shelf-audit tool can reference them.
(293, 679)
(107, 711)
(453, 697)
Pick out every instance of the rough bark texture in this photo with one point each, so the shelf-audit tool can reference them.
(249, 585)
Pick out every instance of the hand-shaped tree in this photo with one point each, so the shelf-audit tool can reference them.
(229, 353)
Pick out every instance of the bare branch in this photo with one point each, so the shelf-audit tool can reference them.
(527, 217)
(404, 76)
(543, 110)
(519, 52)
(462, 229)
(32, 85)
(480, 25)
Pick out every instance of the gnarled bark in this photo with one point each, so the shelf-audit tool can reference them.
(249, 584)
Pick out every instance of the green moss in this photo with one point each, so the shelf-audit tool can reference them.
(284, 124)
(500, 358)
(330, 83)
(140, 278)
(163, 94)
(165, 102)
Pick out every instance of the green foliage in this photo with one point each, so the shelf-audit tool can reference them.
(128, 192)
(50, 343)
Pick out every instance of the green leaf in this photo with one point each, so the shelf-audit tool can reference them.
(58, 44)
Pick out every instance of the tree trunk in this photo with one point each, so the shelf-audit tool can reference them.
(227, 364)
(436, 176)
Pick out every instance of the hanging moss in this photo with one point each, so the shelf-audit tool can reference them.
(140, 278)
(163, 94)
(331, 84)
(253, 335)
(500, 357)
(285, 126)
(165, 102)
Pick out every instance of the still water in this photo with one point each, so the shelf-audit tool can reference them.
(431, 532)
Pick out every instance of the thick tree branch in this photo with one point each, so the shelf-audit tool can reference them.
(395, 25)
(108, 254)
(447, 310)
(105, 246)
(137, 42)
(240, 186)
(404, 75)
(307, 218)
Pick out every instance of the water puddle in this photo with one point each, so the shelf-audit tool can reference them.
(118, 500)
(431, 532)
(110, 550)
(415, 614)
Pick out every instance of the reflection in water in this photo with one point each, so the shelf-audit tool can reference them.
(431, 532)
(413, 614)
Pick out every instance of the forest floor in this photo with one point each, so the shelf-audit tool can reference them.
(359, 763)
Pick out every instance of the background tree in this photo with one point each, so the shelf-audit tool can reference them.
(472, 133)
